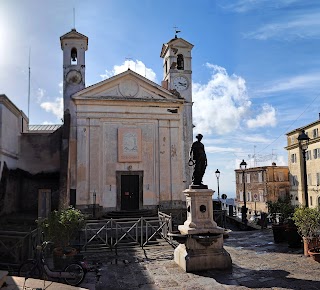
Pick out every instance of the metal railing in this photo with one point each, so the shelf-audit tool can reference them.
(114, 233)
(16, 247)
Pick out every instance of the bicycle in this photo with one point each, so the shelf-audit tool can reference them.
(37, 268)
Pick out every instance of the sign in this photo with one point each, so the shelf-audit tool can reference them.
(255, 197)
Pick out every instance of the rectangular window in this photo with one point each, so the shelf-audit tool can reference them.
(241, 196)
(240, 178)
(308, 155)
(309, 179)
(260, 176)
(280, 176)
(315, 133)
(318, 178)
(292, 139)
(261, 198)
(294, 180)
(282, 193)
(248, 177)
(249, 196)
(293, 158)
(310, 200)
(315, 153)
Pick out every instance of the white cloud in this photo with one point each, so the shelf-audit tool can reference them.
(305, 81)
(55, 107)
(40, 94)
(137, 66)
(255, 139)
(214, 149)
(303, 26)
(266, 118)
(221, 104)
(242, 6)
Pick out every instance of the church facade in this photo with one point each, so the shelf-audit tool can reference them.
(125, 141)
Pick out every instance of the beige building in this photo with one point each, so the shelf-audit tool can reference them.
(262, 184)
(124, 144)
(295, 161)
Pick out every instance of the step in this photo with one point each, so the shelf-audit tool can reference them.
(3, 277)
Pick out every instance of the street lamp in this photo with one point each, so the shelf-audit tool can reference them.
(303, 140)
(218, 175)
(243, 167)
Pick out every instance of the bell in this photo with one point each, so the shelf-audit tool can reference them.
(74, 54)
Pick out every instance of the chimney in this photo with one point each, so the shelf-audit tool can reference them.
(164, 84)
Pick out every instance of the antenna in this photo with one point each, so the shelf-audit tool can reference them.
(263, 158)
(29, 76)
(74, 18)
(128, 59)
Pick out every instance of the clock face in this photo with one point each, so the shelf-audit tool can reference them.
(180, 83)
(74, 77)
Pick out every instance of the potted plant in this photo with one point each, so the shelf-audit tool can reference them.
(280, 211)
(61, 227)
(307, 221)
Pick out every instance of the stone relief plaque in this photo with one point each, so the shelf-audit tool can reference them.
(129, 145)
(129, 88)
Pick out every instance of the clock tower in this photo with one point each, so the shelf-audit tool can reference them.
(74, 45)
(177, 76)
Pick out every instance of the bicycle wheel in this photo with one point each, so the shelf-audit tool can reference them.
(30, 269)
(76, 274)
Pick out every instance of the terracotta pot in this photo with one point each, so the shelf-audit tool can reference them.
(309, 243)
(279, 234)
(293, 237)
(62, 257)
(315, 254)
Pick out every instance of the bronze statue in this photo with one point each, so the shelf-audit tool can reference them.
(198, 158)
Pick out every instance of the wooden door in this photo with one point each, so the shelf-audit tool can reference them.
(129, 192)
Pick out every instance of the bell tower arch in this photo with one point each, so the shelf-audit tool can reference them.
(74, 46)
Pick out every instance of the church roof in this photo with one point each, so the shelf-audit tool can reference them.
(176, 42)
(43, 128)
(128, 85)
(74, 34)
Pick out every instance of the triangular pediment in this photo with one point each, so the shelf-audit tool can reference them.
(175, 42)
(127, 86)
(73, 35)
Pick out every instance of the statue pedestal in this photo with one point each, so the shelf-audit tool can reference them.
(203, 246)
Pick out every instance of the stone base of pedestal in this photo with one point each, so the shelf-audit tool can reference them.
(193, 260)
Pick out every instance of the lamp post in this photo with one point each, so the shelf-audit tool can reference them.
(243, 167)
(303, 140)
(218, 175)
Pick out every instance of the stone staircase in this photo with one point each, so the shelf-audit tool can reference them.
(130, 214)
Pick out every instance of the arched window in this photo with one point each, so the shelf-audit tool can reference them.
(180, 62)
(74, 56)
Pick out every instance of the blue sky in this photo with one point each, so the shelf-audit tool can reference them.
(256, 65)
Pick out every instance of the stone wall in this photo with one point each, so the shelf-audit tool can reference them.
(40, 152)
(19, 190)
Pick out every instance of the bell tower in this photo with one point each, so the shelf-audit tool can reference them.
(177, 72)
(73, 45)
(177, 75)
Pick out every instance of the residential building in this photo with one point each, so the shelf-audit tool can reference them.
(295, 163)
(261, 184)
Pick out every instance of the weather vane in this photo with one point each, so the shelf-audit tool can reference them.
(177, 31)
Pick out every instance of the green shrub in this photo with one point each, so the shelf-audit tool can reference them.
(307, 221)
(61, 226)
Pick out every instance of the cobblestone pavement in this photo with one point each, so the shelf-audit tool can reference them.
(258, 263)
